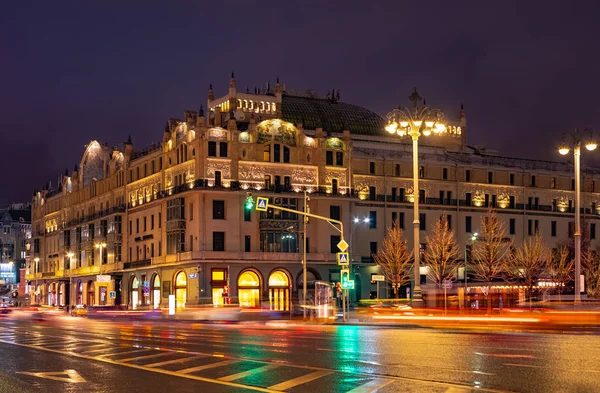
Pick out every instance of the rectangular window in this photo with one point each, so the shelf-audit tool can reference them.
(160, 163)
(397, 170)
(511, 201)
(401, 196)
(159, 248)
(449, 219)
(441, 197)
(329, 158)
(468, 198)
(152, 248)
(553, 228)
(339, 158)
(286, 154)
(218, 179)
(572, 184)
(152, 222)
(247, 243)
(191, 242)
(145, 224)
(449, 197)
(394, 196)
(372, 193)
(218, 241)
(333, 242)
(468, 224)
(91, 231)
(511, 179)
(130, 227)
(490, 177)
(222, 149)
(532, 180)
(553, 182)
(267, 153)
(394, 218)
(276, 152)
(444, 173)
(373, 249)
(511, 226)
(137, 225)
(401, 220)
(212, 149)
(421, 196)
(372, 219)
(468, 175)
(571, 228)
(422, 221)
(592, 231)
(422, 171)
(218, 210)
(159, 219)
(536, 225)
(493, 200)
(334, 212)
(372, 168)
(530, 227)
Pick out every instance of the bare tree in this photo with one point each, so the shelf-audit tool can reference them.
(528, 263)
(394, 259)
(591, 269)
(489, 251)
(441, 254)
(560, 268)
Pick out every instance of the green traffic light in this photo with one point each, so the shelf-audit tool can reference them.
(249, 203)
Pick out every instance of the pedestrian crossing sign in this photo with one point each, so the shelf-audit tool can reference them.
(262, 204)
(343, 259)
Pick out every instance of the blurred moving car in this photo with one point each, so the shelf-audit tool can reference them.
(79, 311)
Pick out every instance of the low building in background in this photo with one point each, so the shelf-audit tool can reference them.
(132, 226)
(15, 231)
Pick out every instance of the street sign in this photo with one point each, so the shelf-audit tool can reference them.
(447, 284)
(378, 277)
(193, 275)
(262, 204)
(112, 295)
(343, 258)
(342, 245)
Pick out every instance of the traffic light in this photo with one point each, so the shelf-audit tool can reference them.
(345, 279)
(249, 201)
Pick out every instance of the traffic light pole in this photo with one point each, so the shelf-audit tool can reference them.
(338, 225)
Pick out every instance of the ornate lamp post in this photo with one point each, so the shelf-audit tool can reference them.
(420, 119)
(564, 148)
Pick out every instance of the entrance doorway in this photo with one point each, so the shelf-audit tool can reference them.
(249, 289)
(180, 290)
(134, 290)
(156, 291)
(279, 291)
(91, 298)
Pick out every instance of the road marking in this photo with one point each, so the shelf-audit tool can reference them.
(300, 380)
(243, 374)
(180, 360)
(95, 350)
(125, 353)
(72, 376)
(458, 390)
(156, 370)
(578, 370)
(506, 355)
(371, 386)
(205, 366)
(156, 355)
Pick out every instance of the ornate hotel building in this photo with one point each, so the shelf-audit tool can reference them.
(132, 227)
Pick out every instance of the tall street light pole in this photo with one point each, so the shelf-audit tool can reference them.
(576, 138)
(412, 122)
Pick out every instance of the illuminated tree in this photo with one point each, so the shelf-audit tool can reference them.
(489, 251)
(441, 254)
(561, 268)
(591, 270)
(394, 259)
(527, 264)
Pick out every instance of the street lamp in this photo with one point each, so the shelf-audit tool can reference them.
(564, 148)
(471, 239)
(413, 122)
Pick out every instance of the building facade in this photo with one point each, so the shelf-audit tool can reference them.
(132, 227)
(15, 232)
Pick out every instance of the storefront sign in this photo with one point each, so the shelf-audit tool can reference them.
(102, 278)
(193, 275)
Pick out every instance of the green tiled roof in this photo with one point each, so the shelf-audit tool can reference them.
(330, 115)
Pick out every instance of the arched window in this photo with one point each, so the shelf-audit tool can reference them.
(134, 293)
(156, 291)
(180, 290)
(279, 290)
(249, 289)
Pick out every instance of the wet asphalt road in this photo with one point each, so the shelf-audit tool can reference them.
(159, 357)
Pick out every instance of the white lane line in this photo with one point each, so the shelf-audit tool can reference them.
(97, 350)
(371, 386)
(174, 361)
(300, 380)
(206, 366)
(243, 374)
(458, 390)
(124, 353)
(155, 355)
(577, 370)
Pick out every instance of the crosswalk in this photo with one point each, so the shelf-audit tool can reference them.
(268, 376)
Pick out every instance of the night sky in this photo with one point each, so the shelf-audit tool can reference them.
(71, 72)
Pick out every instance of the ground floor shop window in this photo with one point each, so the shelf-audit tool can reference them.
(91, 297)
(279, 291)
(218, 282)
(103, 294)
(79, 292)
(249, 289)
(180, 290)
(134, 289)
(156, 291)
